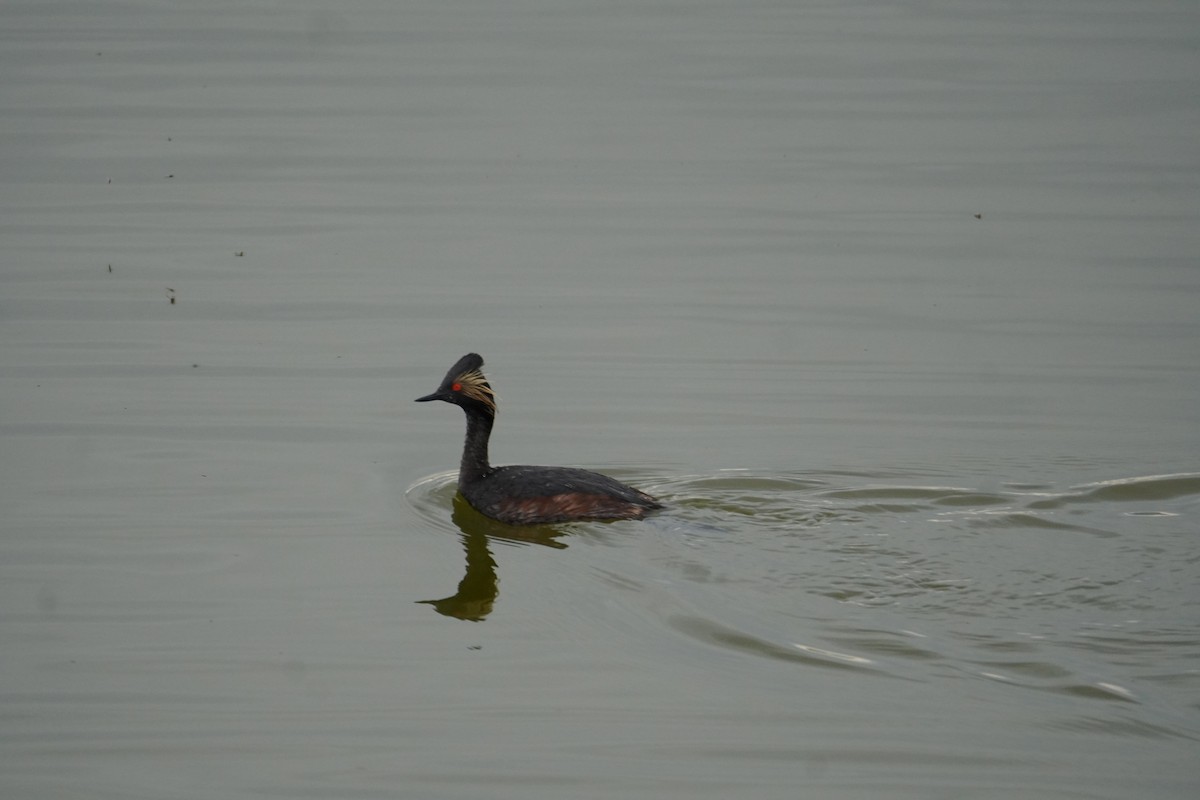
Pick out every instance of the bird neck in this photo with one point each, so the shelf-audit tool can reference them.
(475, 449)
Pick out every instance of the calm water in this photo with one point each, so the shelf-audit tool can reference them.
(895, 305)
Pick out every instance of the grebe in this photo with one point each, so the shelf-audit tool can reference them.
(523, 495)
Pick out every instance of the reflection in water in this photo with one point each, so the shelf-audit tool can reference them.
(478, 589)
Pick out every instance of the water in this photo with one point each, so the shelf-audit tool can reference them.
(894, 306)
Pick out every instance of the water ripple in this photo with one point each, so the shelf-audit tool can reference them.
(1072, 591)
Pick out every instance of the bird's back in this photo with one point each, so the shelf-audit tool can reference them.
(531, 495)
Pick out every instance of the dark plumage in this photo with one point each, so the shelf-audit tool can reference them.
(525, 495)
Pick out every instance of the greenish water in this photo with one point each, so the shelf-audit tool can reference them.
(893, 306)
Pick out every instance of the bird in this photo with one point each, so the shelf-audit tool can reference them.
(522, 494)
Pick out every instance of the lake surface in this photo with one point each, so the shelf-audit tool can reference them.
(895, 306)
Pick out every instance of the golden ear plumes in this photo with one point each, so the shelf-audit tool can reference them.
(476, 387)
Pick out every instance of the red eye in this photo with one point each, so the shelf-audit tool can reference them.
(456, 387)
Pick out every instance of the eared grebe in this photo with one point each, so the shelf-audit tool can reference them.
(522, 495)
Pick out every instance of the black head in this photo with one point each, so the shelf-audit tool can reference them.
(464, 385)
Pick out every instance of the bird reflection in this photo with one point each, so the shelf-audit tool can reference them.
(478, 589)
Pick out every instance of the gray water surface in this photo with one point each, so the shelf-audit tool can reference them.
(893, 305)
